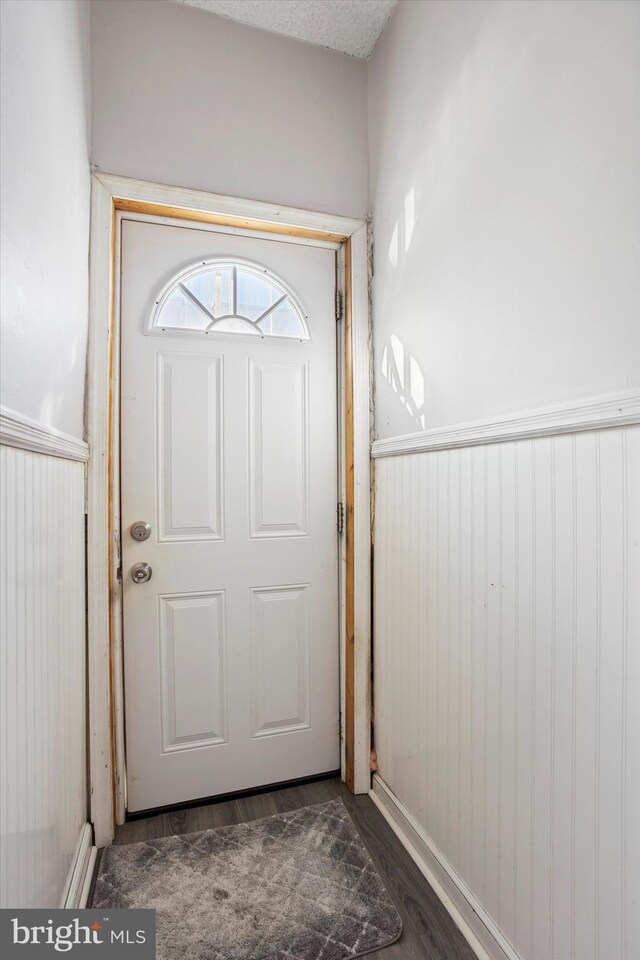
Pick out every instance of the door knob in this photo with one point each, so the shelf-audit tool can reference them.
(141, 572)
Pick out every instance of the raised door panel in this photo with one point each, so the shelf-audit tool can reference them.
(280, 659)
(193, 677)
(190, 447)
(279, 447)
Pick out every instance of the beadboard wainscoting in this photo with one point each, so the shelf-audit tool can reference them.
(507, 671)
(46, 841)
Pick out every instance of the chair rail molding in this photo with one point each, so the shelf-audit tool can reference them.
(592, 413)
(18, 430)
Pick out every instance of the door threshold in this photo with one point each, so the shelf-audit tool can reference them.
(236, 795)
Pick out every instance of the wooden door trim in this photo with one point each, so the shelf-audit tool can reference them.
(112, 195)
(358, 526)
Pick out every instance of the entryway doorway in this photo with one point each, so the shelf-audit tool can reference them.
(229, 488)
(115, 202)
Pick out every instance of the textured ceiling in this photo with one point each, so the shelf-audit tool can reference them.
(349, 26)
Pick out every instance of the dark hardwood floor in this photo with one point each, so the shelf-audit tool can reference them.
(429, 933)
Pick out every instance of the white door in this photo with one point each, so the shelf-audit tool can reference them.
(229, 454)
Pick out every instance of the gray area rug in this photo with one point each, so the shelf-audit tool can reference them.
(299, 885)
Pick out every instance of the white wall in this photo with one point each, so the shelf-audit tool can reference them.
(505, 191)
(44, 281)
(45, 209)
(190, 99)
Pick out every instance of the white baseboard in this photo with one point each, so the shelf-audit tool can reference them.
(86, 886)
(81, 871)
(477, 927)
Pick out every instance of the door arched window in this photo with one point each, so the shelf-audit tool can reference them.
(229, 296)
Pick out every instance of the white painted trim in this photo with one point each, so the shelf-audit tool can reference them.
(141, 190)
(477, 927)
(342, 486)
(362, 510)
(86, 886)
(117, 639)
(81, 871)
(18, 430)
(592, 413)
(106, 696)
(98, 535)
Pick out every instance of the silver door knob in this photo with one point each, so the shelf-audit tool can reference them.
(140, 530)
(141, 572)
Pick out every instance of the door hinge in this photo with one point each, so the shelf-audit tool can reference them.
(340, 516)
(339, 304)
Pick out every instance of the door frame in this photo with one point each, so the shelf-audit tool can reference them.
(109, 196)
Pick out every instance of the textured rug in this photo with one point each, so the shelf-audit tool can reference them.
(297, 886)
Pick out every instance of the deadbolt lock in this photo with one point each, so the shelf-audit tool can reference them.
(141, 572)
(140, 530)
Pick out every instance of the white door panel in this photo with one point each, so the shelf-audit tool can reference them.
(278, 445)
(280, 658)
(192, 670)
(189, 448)
(229, 452)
